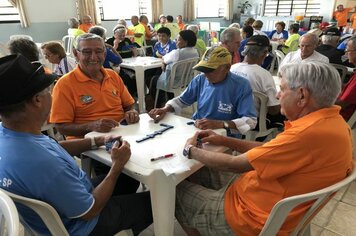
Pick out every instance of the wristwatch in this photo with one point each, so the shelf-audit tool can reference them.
(186, 150)
(93, 144)
(226, 125)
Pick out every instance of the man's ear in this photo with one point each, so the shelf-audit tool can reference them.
(37, 100)
(304, 96)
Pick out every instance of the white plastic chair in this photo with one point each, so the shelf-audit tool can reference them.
(68, 42)
(352, 123)
(49, 215)
(261, 99)
(19, 36)
(9, 219)
(184, 69)
(282, 208)
(342, 71)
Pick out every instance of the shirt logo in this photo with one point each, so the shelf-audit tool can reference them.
(225, 108)
(85, 99)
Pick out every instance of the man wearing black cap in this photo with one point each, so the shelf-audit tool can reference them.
(329, 41)
(260, 79)
(37, 167)
(224, 100)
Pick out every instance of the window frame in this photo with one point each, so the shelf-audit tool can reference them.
(8, 5)
(221, 10)
(309, 7)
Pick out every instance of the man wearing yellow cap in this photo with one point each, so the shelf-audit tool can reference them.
(224, 100)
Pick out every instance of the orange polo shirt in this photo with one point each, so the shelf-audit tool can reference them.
(85, 27)
(353, 20)
(181, 26)
(312, 153)
(79, 99)
(341, 17)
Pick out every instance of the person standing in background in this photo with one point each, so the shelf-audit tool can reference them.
(138, 29)
(180, 22)
(86, 23)
(340, 15)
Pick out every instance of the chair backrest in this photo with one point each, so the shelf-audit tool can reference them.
(47, 213)
(261, 102)
(342, 71)
(181, 74)
(19, 36)
(68, 42)
(282, 208)
(280, 56)
(352, 121)
(9, 218)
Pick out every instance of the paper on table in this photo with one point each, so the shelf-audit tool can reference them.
(174, 167)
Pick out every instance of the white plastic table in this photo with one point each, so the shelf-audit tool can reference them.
(139, 65)
(162, 186)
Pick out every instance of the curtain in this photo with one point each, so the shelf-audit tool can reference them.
(20, 6)
(189, 10)
(157, 9)
(228, 9)
(88, 7)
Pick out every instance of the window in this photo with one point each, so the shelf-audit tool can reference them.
(290, 7)
(119, 9)
(8, 13)
(210, 8)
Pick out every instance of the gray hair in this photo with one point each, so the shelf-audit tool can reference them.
(313, 37)
(353, 41)
(254, 51)
(73, 22)
(88, 36)
(321, 79)
(235, 25)
(329, 39)
(228, 34)
(193, 28)
(98, 30)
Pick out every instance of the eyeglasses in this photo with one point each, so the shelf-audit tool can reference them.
(350, 50)
(88, 53)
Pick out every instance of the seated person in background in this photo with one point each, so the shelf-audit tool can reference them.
(112, 57)
(200, 45)
(316, 30)
(40, 168)
(90, 98)
(162, 22)
(55, 54)
(235, 25)
(173, 27)
(164, 44)
(26, 48)
(291, 44)
(230, 39)
(122, 44)
(286, 166)
(180, 22)
(306, 51)
(260, 79)
(249, 21)
(257, 26)
(279, 34)
(129, 32)
(73, 27)
(247, 32)
(186, 41)
(224, 100)
(86, 23)
(329, 41)
(138, 29)
(149, 31)
(347, 97)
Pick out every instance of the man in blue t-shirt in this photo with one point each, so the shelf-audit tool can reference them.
(224, 100)
(36, 166)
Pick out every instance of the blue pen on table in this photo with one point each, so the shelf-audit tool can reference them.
(162, 157)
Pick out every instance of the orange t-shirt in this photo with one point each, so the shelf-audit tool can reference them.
(181, 26)
(341, 17)
(148, 34)
(353, 20)
(79, 99)
(85, 27)
(312, 153)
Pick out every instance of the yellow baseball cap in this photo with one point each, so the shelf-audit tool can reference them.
(213, 58)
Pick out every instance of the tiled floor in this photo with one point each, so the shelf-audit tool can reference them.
(337, 218)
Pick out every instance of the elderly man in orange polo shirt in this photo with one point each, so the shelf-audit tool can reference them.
(314, 151)
(340, 15)
(90, 98)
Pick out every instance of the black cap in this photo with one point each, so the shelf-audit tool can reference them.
(332, 31)
(20, 79)
(258, 40)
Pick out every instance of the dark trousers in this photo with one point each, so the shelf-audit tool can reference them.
(123, 211)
